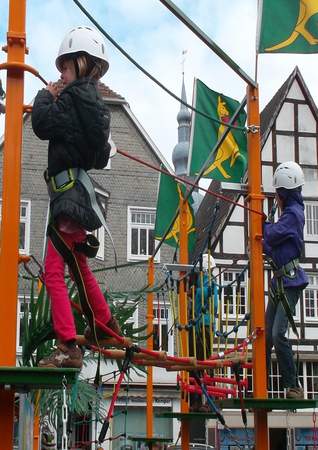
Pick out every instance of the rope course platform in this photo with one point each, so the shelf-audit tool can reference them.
(186, 416)
(27, 378)
(149, 441)
(269, 404)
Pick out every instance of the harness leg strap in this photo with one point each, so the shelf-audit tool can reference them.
(71, 261)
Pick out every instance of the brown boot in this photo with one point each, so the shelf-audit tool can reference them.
(63, 356)
(296, 393)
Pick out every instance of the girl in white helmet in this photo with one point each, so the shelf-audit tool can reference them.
(76, 123)
(283, 244)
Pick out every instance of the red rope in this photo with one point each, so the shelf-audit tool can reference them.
(165, 172)
(241, 346)
(111, 333)
(115, 395)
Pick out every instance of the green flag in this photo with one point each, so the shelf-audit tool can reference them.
(167, 204)
(229, 161)
(288, 26)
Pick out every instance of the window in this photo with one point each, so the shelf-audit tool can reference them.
(311, 299)
(82, 431)
(311, 225)
(162, 337)
(21, 307)
(311, 379)
(276, 389)
(311, 177)
(24, 232)
(233, 295)
(140, 235)
(102, 198)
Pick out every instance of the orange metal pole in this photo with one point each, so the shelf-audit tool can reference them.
(256, 268)
(183, 259)
(36, 432)
(16, 48)
(149, 409)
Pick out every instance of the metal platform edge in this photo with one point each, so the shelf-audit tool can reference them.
(186, 416)
(284, 404)
(28, 378)
(149, 439)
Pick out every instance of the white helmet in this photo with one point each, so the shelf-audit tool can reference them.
(288, 175)
(83, 39)
(205, 262)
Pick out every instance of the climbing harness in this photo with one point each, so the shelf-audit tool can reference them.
(278, 293)
(66, 180)
(69, 257)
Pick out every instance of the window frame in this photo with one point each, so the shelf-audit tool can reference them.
(275, 376)
(307, 236)
(244, 286)
(25, 220)
(22, 299)
(311, 287)
(100, 232)
(166, 320)
(139, 209)
(312, 394)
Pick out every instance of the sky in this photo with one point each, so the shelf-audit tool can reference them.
(156, 39)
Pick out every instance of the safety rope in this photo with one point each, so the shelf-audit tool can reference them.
(237, 309)
(188, 182)
(108, 37)
(217, 411)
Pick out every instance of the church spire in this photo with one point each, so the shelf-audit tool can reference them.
(181, 150)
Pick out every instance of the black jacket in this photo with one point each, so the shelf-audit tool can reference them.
(77, 127)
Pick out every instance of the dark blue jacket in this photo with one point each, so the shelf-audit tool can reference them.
(284, 240)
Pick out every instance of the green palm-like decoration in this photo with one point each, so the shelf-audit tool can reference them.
(38, 340)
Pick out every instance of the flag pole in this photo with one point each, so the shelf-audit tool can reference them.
(256, 65)
(183, 259)
(258, 30)
(149, 408)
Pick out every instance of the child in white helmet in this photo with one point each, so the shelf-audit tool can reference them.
(210, 294)
(205, 312)
(76, 123)
(283, 244)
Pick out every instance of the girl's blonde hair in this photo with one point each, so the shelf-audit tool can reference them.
(86, 66)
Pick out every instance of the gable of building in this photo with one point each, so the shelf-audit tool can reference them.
(288, 132)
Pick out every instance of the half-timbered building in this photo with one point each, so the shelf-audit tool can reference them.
(289, 131)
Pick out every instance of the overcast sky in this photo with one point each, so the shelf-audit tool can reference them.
(156, 39)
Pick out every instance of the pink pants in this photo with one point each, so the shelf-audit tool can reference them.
(63, 320)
